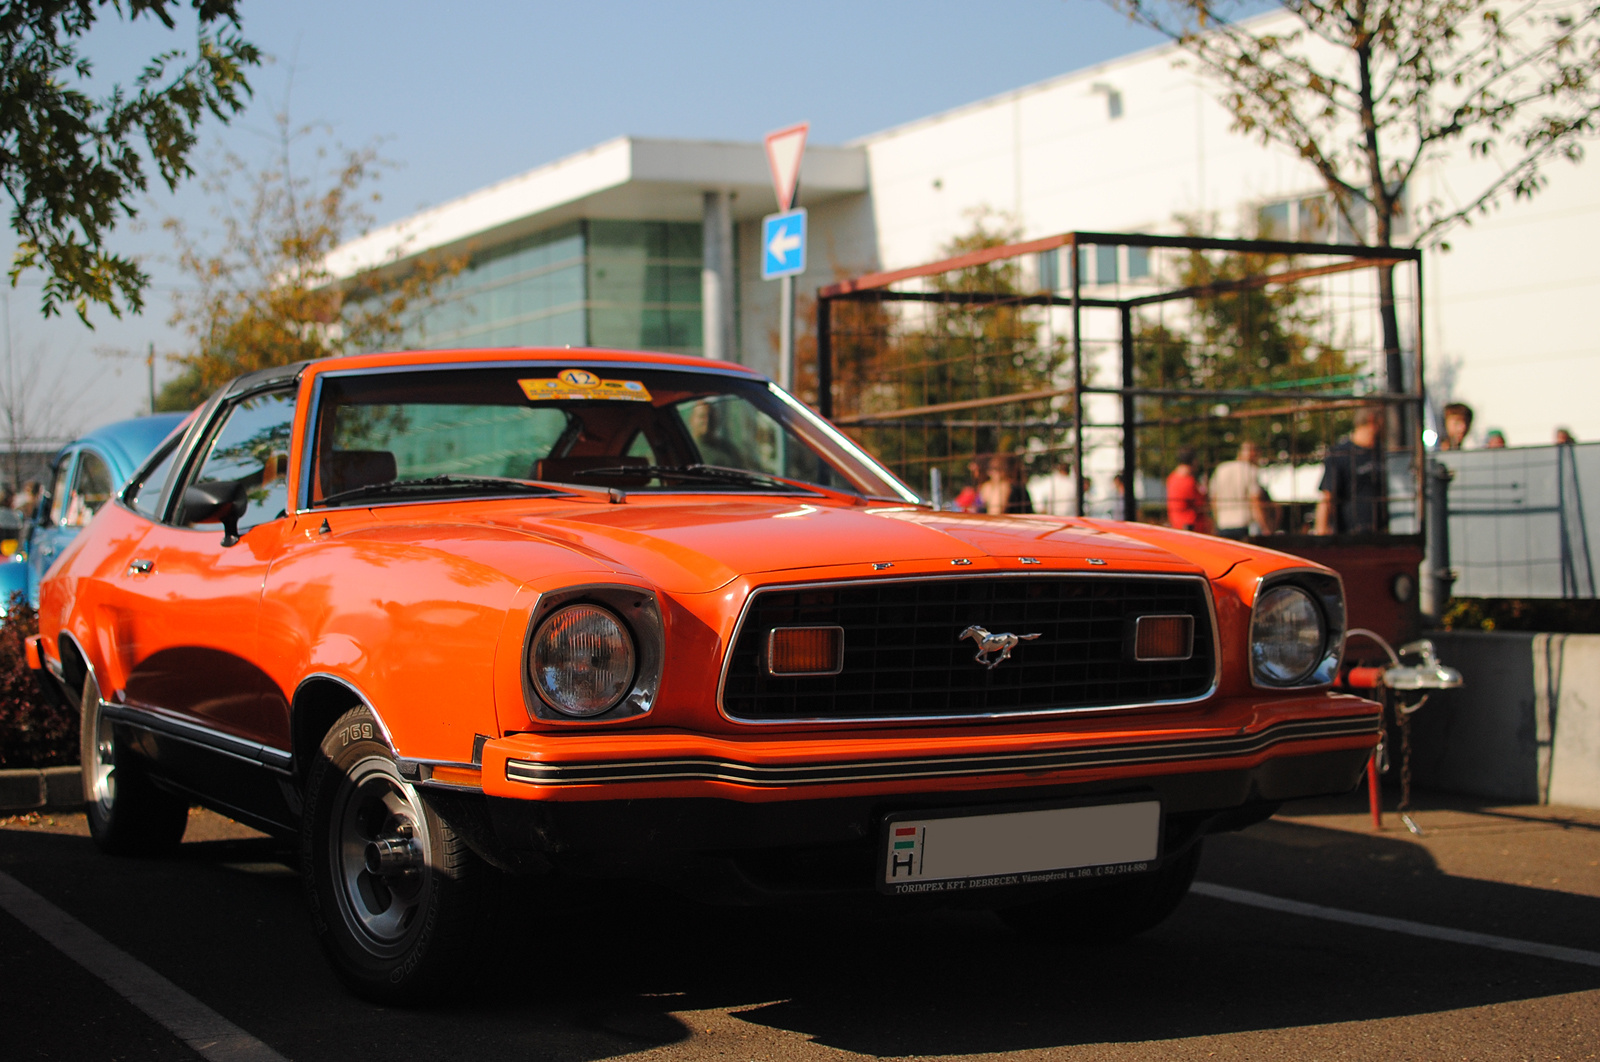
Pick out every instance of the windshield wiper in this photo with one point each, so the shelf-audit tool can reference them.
(694, 473)
(436, 484)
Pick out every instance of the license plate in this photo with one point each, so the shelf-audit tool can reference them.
(952, 853)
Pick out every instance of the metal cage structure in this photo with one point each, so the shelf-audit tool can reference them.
(1088, 352)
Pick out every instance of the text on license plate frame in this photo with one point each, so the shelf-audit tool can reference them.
(953, 850)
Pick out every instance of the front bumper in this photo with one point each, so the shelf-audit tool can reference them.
(664, 764)
(743, 819)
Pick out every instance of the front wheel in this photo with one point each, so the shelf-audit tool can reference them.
(396, 897)
(1108, 913)
(127, 814)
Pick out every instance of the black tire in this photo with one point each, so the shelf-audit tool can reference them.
(396, 932)
(1108, 913)
(127, 815)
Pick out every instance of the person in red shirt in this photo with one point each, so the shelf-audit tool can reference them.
(1186, 502)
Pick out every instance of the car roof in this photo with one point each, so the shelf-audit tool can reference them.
(128, 442)
(479, 356)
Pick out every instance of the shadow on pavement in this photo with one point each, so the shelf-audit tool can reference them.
(621, 970)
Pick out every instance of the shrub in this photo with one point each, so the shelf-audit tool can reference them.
(36, 728)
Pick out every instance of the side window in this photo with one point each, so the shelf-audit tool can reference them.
(58, 490)
(144, 494)
(91, 488)
(249, 456)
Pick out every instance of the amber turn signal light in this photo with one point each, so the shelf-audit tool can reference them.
(805, 651)
(1163, 638)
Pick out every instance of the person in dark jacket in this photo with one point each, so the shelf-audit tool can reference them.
(1355, 484)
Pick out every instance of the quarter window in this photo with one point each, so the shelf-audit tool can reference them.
(91, 488)
(249, 455)
(145, 493)
(58, 490)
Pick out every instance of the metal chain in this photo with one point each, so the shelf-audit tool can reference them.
(1405, 760)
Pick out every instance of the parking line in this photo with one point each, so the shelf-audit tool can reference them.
(1397, 925)
(210, 1034)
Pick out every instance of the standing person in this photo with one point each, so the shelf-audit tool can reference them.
(1186, 500)
(1564, 437)
(1457, 423)
(1355, 484)
(967, 501)
(1238, 499)
(1494, 440)
(26, 500)
(1054, 491)
(1002, 490)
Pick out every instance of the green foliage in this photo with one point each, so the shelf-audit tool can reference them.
(1239, 335)
(36, 729)
(266, 296)
(953, 352)
(1522, 614)
(74, 164)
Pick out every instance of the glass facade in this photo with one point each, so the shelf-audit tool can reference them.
(630, 284)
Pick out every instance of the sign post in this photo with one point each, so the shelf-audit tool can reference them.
(783, 237)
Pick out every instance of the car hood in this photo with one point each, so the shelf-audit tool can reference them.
(698, 546)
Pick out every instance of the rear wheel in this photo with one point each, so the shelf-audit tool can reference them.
(1108, 913)
(396, 897)
(127, 814)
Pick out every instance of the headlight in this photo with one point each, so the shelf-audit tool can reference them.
(582, 660)
(1287, 636)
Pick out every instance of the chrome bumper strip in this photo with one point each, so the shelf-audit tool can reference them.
(552, 774)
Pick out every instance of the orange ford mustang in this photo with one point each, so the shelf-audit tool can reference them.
(448, 615)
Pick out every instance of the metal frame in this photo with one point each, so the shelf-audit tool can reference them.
(876, 287)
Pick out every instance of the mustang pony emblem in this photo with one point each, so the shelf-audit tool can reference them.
(993, 643)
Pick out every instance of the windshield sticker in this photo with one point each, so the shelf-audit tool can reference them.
(581, 384)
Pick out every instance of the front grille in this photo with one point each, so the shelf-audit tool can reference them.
(902, 656)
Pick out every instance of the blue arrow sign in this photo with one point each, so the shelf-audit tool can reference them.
(783, 243)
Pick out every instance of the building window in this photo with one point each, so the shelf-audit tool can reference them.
(1049, 275)
(1105, 264)
(1138, 263)
(1317, 219)
(627, 284)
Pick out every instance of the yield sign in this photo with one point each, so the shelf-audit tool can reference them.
(784, 149)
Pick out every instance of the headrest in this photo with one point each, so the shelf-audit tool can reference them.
(344, 470)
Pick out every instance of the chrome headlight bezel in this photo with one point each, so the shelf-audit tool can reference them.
(638, 612)
(1324, 593)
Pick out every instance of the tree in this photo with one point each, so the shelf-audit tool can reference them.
(266, 296)
(1236, 336)
(39, 403)
(972, 340)
(1367, 91)
(73, 164)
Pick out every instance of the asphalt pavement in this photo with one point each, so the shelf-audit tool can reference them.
(631, 972)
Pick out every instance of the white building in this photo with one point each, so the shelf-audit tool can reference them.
(655, 243)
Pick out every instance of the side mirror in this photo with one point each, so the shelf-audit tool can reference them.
(219, 501)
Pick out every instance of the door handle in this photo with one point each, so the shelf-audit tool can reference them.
(141, 567)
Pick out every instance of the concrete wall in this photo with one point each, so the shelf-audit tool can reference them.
(1525, 727)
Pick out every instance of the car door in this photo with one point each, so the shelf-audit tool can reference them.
(194, 586)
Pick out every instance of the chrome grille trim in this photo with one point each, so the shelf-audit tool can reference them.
(1032, 713)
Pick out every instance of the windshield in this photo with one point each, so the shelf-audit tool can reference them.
(457, 431)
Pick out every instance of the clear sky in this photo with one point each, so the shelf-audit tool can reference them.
(464, 94)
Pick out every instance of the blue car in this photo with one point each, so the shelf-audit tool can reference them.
(86, 473)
